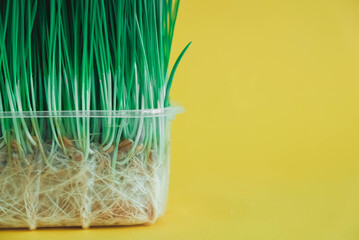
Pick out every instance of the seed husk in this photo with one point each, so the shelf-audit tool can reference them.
(138, 149)
(67, 142)
(14, 146)
(76, 156)
(125, 145)
(150, 158)
(109, 150)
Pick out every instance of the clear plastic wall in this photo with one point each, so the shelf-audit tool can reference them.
(84, 168)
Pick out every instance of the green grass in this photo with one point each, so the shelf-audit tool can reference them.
(84, 55)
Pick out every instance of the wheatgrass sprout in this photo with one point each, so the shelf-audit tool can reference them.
(85, 111)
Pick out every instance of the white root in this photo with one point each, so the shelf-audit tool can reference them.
(77, 192)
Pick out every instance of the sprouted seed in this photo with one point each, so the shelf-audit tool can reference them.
(68, 68)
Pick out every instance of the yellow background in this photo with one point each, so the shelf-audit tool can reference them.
(268, 146)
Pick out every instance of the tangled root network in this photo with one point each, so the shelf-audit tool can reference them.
(65, 190)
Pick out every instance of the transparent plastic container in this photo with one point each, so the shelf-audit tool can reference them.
(84, 168)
